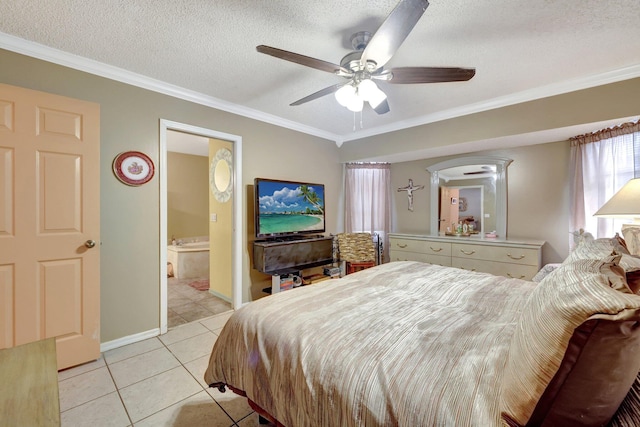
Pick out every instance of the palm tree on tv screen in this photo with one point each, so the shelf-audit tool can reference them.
(311, 197)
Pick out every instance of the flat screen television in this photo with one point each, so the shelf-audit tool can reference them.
(288, 208)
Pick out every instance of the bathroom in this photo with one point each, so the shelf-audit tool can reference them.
(191, 232)
(188, 257)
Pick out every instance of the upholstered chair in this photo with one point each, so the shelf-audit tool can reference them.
(357, 250)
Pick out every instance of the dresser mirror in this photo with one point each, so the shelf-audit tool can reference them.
(470, 191)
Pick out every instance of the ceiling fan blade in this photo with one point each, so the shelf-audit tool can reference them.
(382, 108)
(307, 61)
(393, 31)
(409, 75)
(326, 91)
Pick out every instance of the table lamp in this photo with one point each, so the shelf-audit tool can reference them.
(626, 204)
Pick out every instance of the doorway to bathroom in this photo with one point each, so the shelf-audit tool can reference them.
(200, 223)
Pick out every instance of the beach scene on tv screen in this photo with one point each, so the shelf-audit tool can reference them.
(290, 207)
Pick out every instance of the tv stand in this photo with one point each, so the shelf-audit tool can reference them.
(279, 257)
(291, 238)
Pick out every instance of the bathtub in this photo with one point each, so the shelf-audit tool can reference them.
(189, 260)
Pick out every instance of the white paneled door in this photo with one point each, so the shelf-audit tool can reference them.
(50, 223)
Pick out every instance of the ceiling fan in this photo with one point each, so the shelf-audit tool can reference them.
(366, 63)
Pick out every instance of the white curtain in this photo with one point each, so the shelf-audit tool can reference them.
(601, 163)
(368, 200)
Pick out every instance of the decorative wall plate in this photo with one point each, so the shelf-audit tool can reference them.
(133, 168)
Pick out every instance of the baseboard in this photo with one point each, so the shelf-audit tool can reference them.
(130, 339)
(222, 297)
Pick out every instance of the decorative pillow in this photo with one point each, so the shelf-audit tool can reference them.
(616, 274)
(580, 235)
(574, 354)
(629, 262)
(620, 245)
(593, 249)
(632, 235)
(545, 271)
(631, 266)
(628, 414)
(633, 280)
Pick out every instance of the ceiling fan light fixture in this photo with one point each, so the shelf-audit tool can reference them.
(371, 93)
(366, 89)
(355, 104)
(368, 60)
(345, 94)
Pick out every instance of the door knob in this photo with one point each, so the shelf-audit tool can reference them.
(90, 243)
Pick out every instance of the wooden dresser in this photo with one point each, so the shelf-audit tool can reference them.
(516, 258)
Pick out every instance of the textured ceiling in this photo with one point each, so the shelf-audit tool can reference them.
(520, 49)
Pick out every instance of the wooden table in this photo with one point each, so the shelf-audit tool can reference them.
(29, 385)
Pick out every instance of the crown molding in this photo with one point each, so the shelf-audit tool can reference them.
(559, 88)
(56, 56)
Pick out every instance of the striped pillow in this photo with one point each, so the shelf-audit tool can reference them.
(630, 262)
(593, 249)
(573, 334)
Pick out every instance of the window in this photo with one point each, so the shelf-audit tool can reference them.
(368, 200)
(602, 162)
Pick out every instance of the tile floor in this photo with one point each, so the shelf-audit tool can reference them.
(186, 304)
(156, 382)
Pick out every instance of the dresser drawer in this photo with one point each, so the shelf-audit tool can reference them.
(423, 246)
(519, 259)
(444, 261)
(515, 271)
(506, 254)
(417, 256)
(407, 256)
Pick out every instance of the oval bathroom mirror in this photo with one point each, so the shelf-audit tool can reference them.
(220, 175)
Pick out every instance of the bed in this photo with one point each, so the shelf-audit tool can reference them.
(416, 344)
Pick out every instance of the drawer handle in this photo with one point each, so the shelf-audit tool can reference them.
(435, 249)
(513, 257)
(522, 276)
(467, 253)
(401, 246)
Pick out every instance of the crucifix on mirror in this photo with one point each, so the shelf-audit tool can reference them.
(410, 189)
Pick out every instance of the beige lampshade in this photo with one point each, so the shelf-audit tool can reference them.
(625, 203)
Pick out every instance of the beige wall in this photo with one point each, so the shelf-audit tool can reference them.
(601, 103)
(130, 263)
(537, 196)
(220, 235)
(538, 182)
(187, 195)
